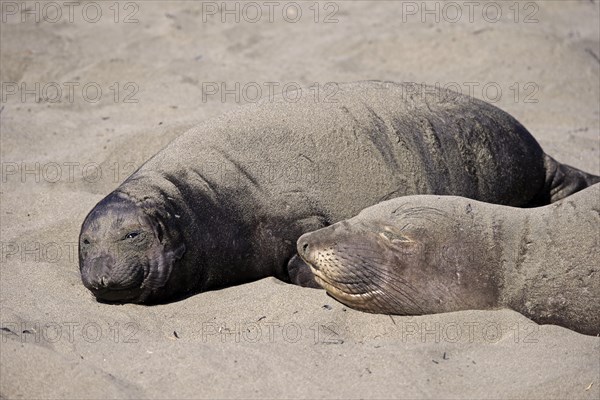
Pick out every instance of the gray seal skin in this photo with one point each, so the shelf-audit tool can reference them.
(225, 202)
(432, 254)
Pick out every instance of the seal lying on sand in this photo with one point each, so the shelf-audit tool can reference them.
(429, 254)
(225, 202)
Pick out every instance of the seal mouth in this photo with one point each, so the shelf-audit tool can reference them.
(112, 296)
(111, 283)
(333, 287)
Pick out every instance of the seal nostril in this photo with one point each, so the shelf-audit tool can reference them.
(305, 247)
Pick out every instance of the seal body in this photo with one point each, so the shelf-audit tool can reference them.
(225, 202)
(432, 254)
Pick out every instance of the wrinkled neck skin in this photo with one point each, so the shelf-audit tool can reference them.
(460, 261)
(541, 262)
(505, 227)
(552, 271)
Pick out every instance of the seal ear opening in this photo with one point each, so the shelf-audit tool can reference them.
(171, 255)
(159, 231)
(157, 228)
(394, 237)
(398, 240)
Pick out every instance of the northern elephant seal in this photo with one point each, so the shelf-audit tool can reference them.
(429, 254)
(225, 202)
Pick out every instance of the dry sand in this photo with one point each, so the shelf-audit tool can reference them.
(263, 339)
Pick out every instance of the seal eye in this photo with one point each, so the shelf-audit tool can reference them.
(394, 238)
(131, 235)
(86, 241)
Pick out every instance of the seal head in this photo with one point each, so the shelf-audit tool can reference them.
(125, 253)
(359, 264)
(411, 262)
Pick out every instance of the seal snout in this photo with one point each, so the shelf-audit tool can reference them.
(306, 250)
(108, 283)
(98, 274)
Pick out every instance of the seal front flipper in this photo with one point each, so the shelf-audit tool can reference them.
(300, 273)
(562, 180)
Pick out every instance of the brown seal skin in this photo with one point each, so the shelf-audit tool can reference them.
(432, 254)
(225, 202)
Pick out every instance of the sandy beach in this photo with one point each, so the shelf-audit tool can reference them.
(91, 91)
